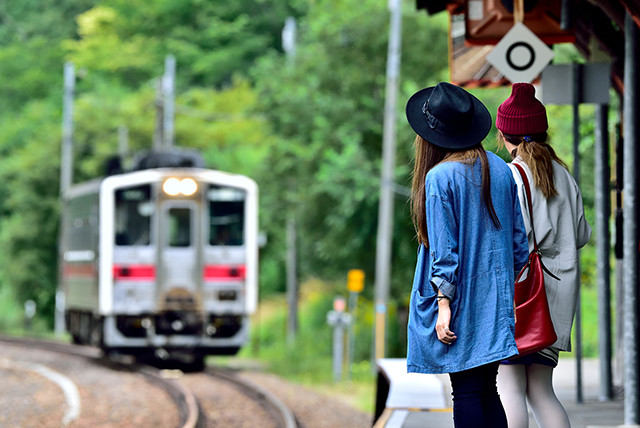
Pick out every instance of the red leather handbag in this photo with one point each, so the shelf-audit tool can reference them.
(534, 328)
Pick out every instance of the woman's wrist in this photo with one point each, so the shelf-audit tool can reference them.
(442, 299)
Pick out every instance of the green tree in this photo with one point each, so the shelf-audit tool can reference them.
(129, 39)
(30, 52)
(30, 94)
(119, 49)
(28, 228)
(326, 106)
(310, 131)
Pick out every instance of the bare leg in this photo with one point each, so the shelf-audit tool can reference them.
(547, 409)
(512, 387)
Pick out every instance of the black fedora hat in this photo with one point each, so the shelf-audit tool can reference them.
(448, 116)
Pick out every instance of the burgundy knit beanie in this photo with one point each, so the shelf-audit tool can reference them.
(522, 113)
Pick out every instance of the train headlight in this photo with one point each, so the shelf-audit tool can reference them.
(173, 186)
(188, 187)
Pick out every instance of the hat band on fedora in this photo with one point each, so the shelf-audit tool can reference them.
(440, 126)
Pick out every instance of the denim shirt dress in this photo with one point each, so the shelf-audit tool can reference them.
(473, 263)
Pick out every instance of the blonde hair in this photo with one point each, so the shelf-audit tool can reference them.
(536, 152)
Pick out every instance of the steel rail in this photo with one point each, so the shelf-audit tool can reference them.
(186, 402)
(271, 403)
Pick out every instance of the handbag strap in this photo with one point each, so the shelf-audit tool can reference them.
(527, 189)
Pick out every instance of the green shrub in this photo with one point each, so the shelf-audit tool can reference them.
(309, 358)
(10, 311)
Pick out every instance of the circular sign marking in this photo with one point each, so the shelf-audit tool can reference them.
(510, 53)
(520, 56)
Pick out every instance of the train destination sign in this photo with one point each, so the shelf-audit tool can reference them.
(520, 55)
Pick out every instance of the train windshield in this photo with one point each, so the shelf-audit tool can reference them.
(179, 227)
(134, 208)
(226, 215)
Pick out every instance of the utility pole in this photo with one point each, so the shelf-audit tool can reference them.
(66, 162)
(289, 39)
(292, 280)
(66, 175)
(289, 47)
(158, 139)
(168, 97)
(123, 142)
(385, 208)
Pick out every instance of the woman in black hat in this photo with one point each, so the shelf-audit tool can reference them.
(472, 240)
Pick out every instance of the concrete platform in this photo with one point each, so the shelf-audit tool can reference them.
(428, 412)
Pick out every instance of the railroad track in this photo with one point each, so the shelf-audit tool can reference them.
(185, 400)
(273, 405)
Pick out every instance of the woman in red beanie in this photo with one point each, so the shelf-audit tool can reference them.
(561, 229)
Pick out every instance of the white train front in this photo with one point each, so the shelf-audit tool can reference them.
(161, 260)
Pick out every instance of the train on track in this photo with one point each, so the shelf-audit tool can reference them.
(161, 260)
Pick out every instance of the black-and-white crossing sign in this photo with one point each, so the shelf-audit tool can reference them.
(520, 55)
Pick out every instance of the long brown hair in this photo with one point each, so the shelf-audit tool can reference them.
(538, 155)
(427, 156)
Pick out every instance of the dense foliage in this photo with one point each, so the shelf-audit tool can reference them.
(118, 49)
(307, 127)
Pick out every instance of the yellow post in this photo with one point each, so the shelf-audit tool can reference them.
(355, 285)
(355, 280)
(381, 312)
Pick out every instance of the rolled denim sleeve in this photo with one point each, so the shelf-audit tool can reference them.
(442, 228)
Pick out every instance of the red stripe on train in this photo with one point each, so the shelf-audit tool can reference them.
(134, 272)
(79, 270)
(224, 272)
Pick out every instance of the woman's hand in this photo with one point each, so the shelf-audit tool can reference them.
(445, 335)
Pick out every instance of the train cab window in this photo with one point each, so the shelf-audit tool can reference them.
(226, 216)
(134, 208)
(179, 227)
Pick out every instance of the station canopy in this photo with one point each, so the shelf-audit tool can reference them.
(596, 28)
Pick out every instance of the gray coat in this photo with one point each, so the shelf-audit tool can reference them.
(561, 229)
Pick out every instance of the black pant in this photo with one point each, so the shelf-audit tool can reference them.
(476, 403)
